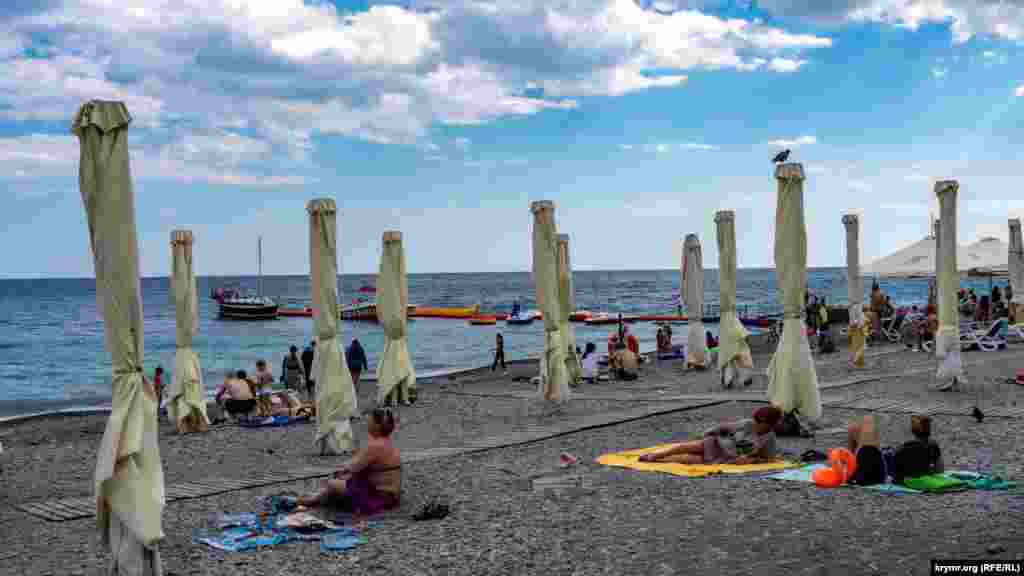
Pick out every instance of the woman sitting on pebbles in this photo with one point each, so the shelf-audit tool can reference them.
(372, 481)
(747, 441)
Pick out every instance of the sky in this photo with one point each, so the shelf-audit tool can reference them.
(445, 119)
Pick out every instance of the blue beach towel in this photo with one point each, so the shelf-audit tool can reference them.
(272, 422)
(242, 532)
(345, 539)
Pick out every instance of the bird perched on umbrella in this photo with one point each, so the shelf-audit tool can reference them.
(781, 157)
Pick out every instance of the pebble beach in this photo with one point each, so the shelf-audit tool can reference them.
(617, 521)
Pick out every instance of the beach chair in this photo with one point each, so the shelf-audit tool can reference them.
(985, 340)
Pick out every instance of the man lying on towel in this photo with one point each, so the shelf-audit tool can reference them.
(747, 441)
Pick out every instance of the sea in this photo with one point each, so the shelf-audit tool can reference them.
(53, 356)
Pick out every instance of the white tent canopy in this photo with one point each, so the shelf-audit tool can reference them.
(987, 256)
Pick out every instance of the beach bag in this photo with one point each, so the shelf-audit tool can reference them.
(790, 426)
(889, 463)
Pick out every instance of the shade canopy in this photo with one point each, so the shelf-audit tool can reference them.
(693, 287)
(335, 394)
(396, 378)
(187, 407)
(792, 379)
(567, 305)
(947, 341)
(855, 289)
(553, 373)
(733, 351)
(985, 257)
(1015, 264)
(129, 479)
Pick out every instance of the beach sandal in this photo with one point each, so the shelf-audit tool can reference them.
(432, 511)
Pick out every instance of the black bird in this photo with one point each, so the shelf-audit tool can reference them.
(781, 157)
(978, 414)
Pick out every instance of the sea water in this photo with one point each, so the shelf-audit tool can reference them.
(52, 354)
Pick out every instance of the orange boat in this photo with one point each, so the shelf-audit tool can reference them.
(579, 316)
(435, 312)
(307, 312)
(483, 321)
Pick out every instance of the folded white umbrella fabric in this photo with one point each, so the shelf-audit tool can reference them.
(187, 407)
(567, 302)
(947, 341)
(335, 393)
(1015, 265)
(792, 379)
(553, 374)
(693, 283)
(733, 351)
(129, 477)
(396, 378)
(855, 289)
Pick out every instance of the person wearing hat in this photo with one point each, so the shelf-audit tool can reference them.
(746, 441)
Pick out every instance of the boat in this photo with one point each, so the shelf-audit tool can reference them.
(603, 319)
(436, 312)
(224, 293)
(306, 312)
(483, 321)
(522, 319)
(579, 316)
(257, 307)
(365, 312)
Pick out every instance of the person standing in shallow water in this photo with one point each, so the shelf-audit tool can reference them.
(158, 387)
(307, 365)
(499, 354)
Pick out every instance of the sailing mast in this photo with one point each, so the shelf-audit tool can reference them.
(259, 279)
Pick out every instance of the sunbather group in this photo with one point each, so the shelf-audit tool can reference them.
(753, 441)
(239, 395)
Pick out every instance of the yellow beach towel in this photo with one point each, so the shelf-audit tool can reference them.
(631, 459)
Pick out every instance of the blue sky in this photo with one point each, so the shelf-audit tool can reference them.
(445, 121)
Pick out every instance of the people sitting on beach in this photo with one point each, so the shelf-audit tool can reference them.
(709, 340)
(263, 382)
(372, 481)
(920, 456)
(589, 363)
(747, 441)
(235, 394)
(983, 311)
(624, 363)
(865, 444)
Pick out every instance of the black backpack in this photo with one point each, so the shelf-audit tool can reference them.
(790, 426)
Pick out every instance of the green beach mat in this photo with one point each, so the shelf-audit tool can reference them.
(956, 480)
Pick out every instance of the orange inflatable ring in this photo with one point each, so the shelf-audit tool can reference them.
(844, 463)
(826, 478)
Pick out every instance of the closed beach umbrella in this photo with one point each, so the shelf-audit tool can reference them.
(335, 394)
(1015, 264)
(936, 233)
(396, 379)
(188, 402)
(553, 374)
(855, 291)
(733, 351)
(129, 477)
(792, 380)
(947, 341)
(567, 301)
(693, 284)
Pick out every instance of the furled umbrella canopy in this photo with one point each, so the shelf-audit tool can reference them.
(693, 285)
(1015, 265)
(854, 289)
(947, 341)
(567, 303)
(936, 234)
(792, 380)
(187, 407)
(733, 351)
(335, 394)
(553, 374)
(129, 477)
(396, 378)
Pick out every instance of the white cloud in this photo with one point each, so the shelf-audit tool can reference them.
(939, 72)
(793, 143)
(625, 146)
(1020, 91)
(785, 65)
(967, 18)
(903, 207)
(661, 148)
(698, 146)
